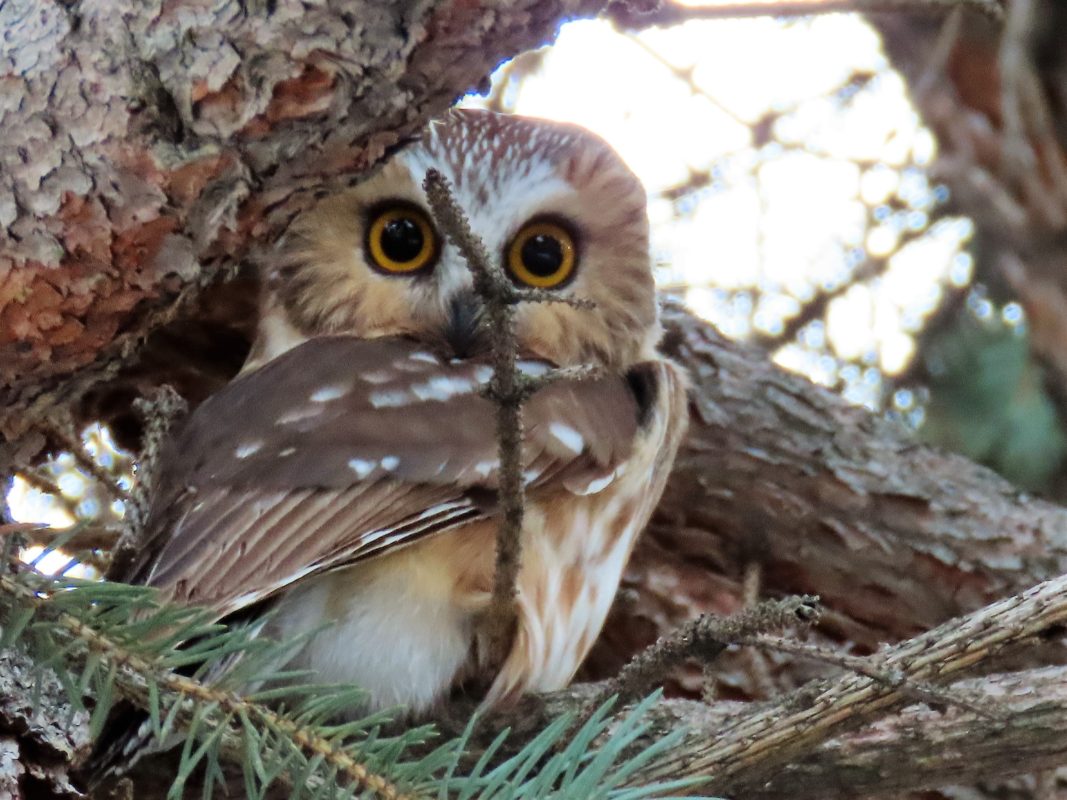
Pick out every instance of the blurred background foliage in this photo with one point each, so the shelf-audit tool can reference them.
(792, 205)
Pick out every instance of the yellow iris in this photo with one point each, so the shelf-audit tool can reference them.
(542, 255)
(401, 239)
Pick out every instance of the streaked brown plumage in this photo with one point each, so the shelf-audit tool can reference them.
(349, 474)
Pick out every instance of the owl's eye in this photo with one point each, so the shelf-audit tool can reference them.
(542, 255)
(401, 239)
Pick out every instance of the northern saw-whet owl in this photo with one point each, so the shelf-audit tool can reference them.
(346, 478)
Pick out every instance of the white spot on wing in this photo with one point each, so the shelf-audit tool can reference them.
(298, 414)
(390, 463)
(567, 436)
(441, 387)
(362, 466)
(422, 355)
(247, 449)
(534, 369)
(377, 377)
(394, 399)
(287, 452)
(328, 393)
(483, 468)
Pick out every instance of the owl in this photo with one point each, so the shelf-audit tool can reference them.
(346, 479)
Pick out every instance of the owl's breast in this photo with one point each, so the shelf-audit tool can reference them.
(395, 626)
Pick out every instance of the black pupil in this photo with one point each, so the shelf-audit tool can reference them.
(402, 240)
(542, 255)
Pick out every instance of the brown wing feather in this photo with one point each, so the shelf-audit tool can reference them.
(344, 448)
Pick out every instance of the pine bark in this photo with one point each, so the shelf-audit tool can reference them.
(149, 146)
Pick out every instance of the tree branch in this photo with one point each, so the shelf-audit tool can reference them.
(954, 745)
(746, 752)
(784, 473)
(229, 120)
(704, 638)
(509, 388)
(634, 14)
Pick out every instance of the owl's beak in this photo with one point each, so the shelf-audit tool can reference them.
(464, 331)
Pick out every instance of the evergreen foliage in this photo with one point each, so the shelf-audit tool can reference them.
(218, 691)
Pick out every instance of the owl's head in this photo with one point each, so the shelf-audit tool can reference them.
(554, 203)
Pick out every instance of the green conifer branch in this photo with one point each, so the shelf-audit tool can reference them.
(134, 673)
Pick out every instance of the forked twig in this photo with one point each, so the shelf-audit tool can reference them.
(508, 388)
(870, 667)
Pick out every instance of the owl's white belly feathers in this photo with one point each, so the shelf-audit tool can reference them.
(393, 629)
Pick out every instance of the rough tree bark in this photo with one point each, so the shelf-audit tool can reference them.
(148, 146)
(147, 151)
(829, 500)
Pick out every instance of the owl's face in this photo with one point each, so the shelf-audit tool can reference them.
(556, 206)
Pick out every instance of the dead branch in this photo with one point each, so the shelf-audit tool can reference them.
(779, 471)
(954, 745)
(639, 15)
(869, 667)
(748, 749)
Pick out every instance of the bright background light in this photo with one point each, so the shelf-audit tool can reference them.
(783, 160)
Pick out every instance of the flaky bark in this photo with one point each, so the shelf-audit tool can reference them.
(147, 146)
(952, 745)
(894, 537)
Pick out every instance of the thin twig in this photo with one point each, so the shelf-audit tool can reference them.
(705, 638)
(41, 482)
(756, 743)
(762, 679)
(871, 667)
(160, 412)
(509, 388)
(1015, 68)
(63, 434)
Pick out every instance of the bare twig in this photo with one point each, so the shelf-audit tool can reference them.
(704, 639)
(871, 667)
(41, 482)
(84, 537)
(1015, 71)
(64, 435)
(509, 388)
(934, 69)
(159, 412)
